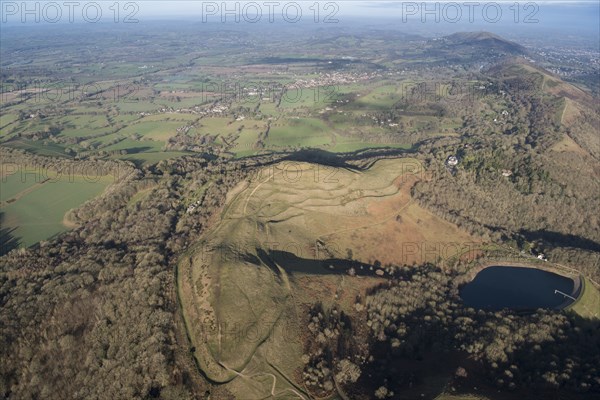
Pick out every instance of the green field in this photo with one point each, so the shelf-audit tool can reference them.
(380, 98)
(350, 146)
(136, 146)
(138, 106)
(307, 98)
(7, 119)
(155, 130)
(38, 209)
(151, 157)
(588, 304)
(301, 132)
(15, 183)
(139, 124)
(83, 125)
(41, 147)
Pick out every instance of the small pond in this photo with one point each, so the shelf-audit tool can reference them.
(495, 288)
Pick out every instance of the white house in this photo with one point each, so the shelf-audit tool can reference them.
(452, 161)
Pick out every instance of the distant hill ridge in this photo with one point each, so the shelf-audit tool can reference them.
(485, 39)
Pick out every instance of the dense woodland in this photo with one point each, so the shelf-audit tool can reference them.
(332, 352)
(550, 199)
(93, 314)
(543, 350)
(418, 315)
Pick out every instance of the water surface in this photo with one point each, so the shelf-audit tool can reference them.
(495, 288)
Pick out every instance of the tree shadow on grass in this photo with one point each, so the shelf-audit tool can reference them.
(338, 160)
(293, 264)
(8, 241)
(137, 150)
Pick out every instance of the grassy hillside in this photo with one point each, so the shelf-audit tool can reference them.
(261, 265)
(588, 304)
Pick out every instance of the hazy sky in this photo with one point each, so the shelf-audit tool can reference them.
(512, 17)
(374, 8)
(453, 12)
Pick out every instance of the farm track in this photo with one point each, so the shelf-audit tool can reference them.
(23, 193)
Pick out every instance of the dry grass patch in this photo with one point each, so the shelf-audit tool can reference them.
(245, 308)
(568, 145)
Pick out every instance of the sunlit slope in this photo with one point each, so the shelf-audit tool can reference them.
(239, 303)
(578, 113)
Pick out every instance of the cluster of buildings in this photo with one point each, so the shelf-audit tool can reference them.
(331, 79)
